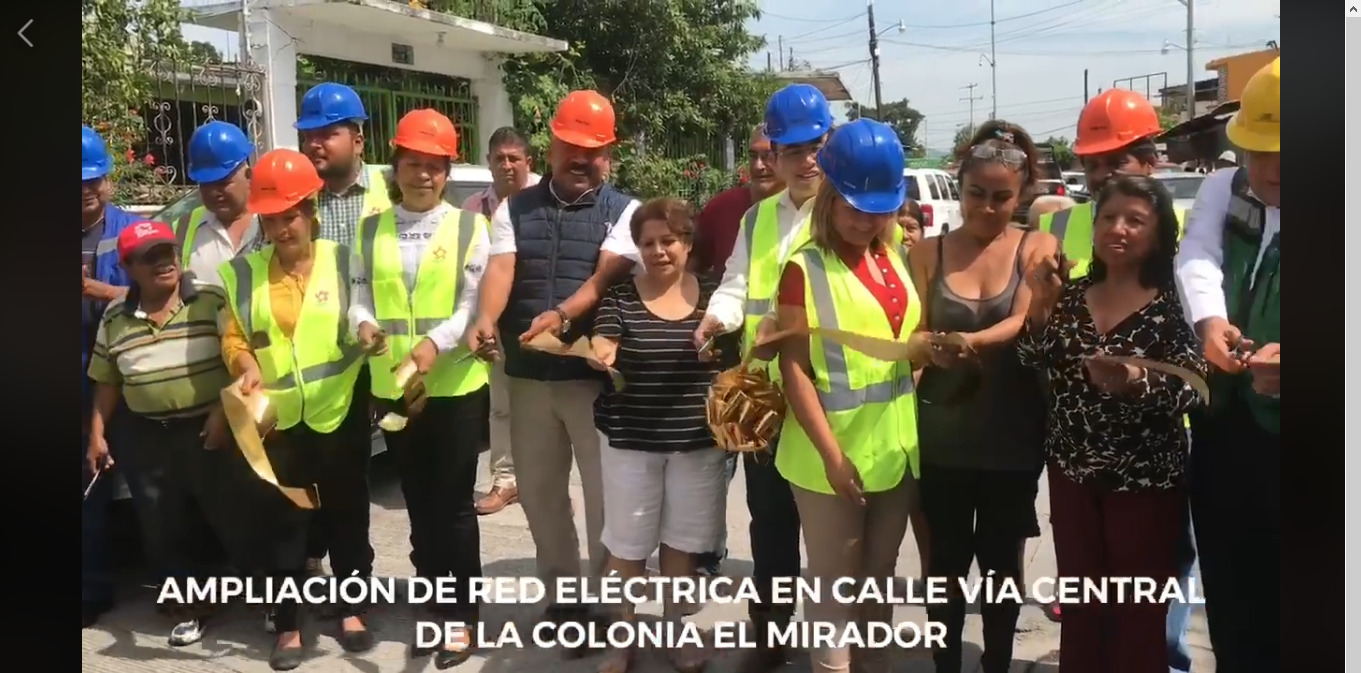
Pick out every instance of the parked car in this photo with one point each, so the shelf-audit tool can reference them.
(1183, 187)
(1050, 182)
(1075, 181)
(938, 195)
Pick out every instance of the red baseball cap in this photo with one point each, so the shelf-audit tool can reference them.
(143, 236)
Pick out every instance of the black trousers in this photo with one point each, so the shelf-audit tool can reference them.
(1236, 511)
(774, 531)
(983, 514)
(358, 437)
(338, 466)
(436, 455)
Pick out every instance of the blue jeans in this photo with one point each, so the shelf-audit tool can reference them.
(96, 584)
(1179, 614)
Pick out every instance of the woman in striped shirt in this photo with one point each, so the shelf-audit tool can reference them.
(663, 477)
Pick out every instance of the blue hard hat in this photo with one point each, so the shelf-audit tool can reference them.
(95, 162)
(329, 103)
(798, 113)
(216, 150)
(864, 162)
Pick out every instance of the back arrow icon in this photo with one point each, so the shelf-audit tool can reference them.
(21, 33)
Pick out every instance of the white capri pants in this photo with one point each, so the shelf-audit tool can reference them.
(656, 498)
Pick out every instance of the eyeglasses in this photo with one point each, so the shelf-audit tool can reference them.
(1008, 156)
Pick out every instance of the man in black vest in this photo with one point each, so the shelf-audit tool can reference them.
(555, 248)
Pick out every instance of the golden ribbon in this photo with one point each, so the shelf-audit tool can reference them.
(251, 419)
(581, 348)
(1192, 379)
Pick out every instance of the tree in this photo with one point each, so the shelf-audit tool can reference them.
(203, 52)
(962, 137)
(1168, 118)
(669, 66)
(899, 114)
(1063, 152)
(119, 40)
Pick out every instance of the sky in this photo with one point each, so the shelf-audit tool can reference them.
(1042, 48)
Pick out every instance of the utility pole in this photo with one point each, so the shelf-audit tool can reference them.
(1190, 59)
(971, 98)
(780, 51)
(791, 59)
(874, 58)
(992, 39)
(769, 62)
(1085, 88)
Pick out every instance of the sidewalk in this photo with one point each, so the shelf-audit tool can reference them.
(133, 638)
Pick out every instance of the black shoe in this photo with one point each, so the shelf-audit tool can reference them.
(446, 659)
(91, 611)
(355, 642)
(285, 658)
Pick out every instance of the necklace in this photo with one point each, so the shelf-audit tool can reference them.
(96, 223)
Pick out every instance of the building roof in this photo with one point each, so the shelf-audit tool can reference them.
(828, 82)
(398, 19)
(1214, 65)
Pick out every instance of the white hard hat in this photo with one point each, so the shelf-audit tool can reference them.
(1229, 156)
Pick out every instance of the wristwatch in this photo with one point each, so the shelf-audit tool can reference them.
(562, 315)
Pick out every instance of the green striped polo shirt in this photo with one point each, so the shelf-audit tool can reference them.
(175, 370)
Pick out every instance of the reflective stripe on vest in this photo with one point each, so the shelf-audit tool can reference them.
(1074, 229)
(870, 404)
(761, 232)
(185, 229)
(407, 314)
(310, 376)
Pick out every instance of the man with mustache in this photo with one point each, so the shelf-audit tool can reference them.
(103, 280)
(331, 126)
(715, 235)
(555, 248)
(508, 157)
(797, 121)
(223, 227)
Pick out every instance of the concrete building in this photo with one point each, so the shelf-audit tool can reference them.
(1235, 71)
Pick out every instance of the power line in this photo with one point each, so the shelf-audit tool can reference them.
(764, 14)
(1051, 101)
(815, 31)
(1106, 52)
(1009, 18)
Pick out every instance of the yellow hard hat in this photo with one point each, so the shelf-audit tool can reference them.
(1256, 126)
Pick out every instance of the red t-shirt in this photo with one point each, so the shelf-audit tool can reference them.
(716, 228)
(892, 295)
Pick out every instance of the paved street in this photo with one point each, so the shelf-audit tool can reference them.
(134, 638)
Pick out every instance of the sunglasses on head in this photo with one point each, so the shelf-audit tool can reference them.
(1007, 156)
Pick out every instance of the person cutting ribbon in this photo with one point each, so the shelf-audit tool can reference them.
(286, 337)
(416, 270)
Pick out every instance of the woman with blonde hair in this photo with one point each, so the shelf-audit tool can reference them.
(849, 444)
(416, 269)
(285, 336)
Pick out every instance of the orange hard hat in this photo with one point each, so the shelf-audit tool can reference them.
(280, 180)
(1114, 119)
(427, 131)
(584, 119)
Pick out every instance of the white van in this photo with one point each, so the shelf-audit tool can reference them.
(938, 195)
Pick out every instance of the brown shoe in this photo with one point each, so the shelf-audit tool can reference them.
(498, 499)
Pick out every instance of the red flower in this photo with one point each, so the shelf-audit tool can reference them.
(689, 175)
(132, 156)
(149, 160)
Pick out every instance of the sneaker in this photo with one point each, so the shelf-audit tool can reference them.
(709, 564)
(186, 633)
(1054, 612)
(314, 568)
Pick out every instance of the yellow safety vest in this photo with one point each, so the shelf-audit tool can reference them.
(375, 201)
(761, 231)
(1074, 229)
(406, 315)
(310, 377)
(870, 404)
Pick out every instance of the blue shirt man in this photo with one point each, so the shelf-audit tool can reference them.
(102, 280)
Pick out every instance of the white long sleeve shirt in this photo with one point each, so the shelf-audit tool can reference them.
(414, 231)
(1199, 265)
(728, 304)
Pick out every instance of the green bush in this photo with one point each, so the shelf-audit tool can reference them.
(690, 178)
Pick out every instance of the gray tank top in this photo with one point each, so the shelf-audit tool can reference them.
(989, 417)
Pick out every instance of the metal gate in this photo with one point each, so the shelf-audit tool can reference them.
(387, 98)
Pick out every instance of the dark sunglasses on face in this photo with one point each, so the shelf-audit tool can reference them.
(1007, 156)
